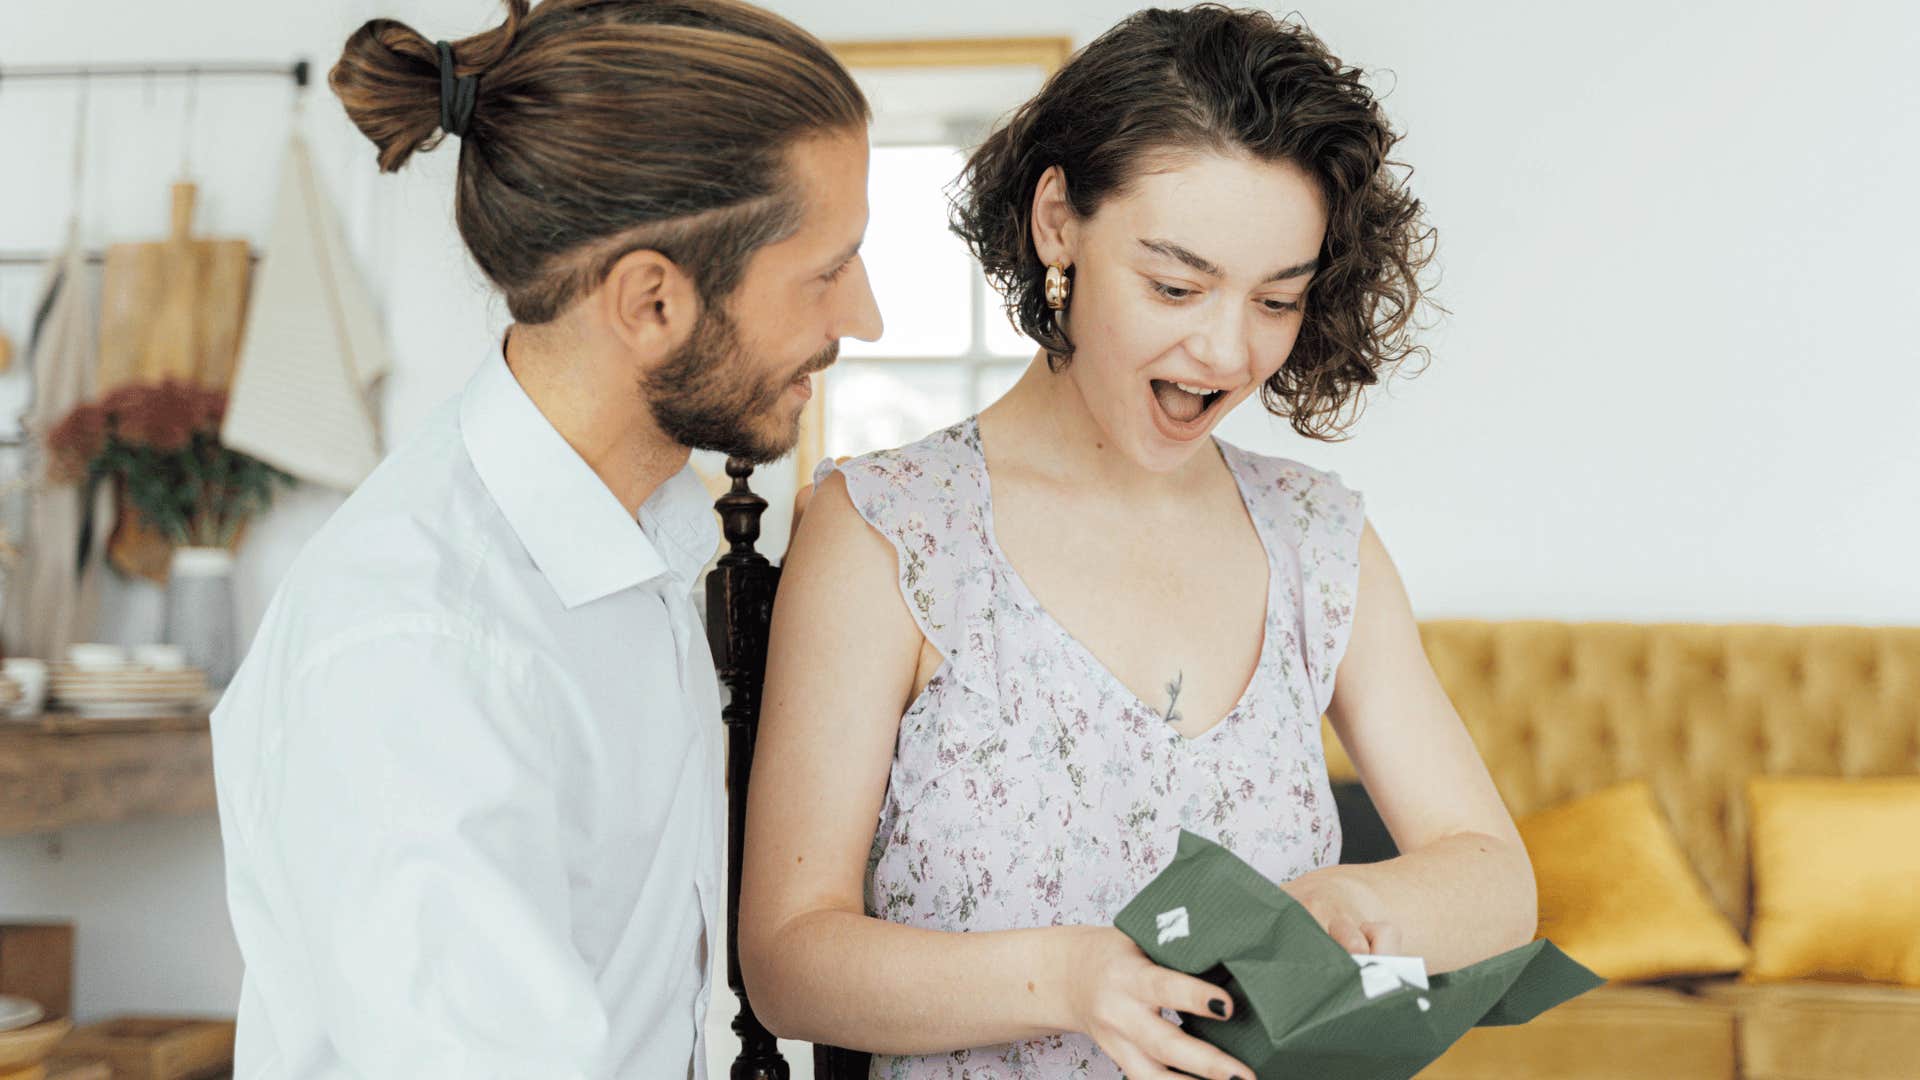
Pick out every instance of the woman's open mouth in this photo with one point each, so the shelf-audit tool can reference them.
(1184, 410)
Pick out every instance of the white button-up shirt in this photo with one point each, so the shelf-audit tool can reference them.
(470, 774)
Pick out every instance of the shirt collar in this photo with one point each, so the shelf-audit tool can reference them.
(580, 536)
(680, 519)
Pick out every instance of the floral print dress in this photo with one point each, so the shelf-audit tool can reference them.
(1031, 788)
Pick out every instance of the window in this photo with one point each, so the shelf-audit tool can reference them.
(948, 349)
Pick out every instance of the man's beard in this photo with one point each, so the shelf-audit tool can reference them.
(710, 395)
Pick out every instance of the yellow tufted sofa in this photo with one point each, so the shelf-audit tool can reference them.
(1560, 710)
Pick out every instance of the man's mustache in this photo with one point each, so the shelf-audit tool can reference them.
(821, 361)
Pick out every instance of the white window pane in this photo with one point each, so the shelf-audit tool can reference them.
(1003, 338)
(879, 405)
(996, 380)
(920, 271)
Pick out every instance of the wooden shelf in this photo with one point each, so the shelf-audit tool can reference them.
(61, 769)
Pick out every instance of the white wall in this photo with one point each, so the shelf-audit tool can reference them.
(148, 898)
(1674, 385)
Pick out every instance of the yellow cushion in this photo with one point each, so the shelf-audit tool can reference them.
(1617, 893)
(1836, 878)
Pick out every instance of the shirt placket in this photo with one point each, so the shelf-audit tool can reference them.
(674, 595)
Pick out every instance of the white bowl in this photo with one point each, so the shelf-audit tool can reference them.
(19, 1012)
(160, 657)
(94, 656)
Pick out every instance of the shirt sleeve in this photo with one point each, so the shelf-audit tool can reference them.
(1330, 519)
(414, 820)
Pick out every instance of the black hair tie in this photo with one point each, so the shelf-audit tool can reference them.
(456, 95)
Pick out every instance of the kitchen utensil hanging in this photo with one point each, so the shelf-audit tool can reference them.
(174, 309)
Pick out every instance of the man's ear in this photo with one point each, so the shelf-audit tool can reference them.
(649, 303)
(1055, 226)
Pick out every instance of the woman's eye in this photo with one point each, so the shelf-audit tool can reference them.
(1171, 292)
(1280, 307)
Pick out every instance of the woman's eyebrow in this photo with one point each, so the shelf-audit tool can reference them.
(1299, 270)
(1174, 251)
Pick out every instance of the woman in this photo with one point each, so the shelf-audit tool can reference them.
(1037, 645)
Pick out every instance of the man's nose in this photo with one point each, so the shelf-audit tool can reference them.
(862, 319)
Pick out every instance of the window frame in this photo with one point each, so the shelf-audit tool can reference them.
(1045, 53)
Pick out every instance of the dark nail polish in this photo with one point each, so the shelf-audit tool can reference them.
(1219, 1008)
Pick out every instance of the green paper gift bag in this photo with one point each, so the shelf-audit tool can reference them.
(1302, 1005)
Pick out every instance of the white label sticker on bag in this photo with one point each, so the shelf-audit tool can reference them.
(1385, 974)
(1376, 981)
(1172, 924)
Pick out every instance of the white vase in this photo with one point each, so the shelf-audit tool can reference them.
(200, 616)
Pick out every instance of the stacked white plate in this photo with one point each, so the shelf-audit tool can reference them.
(128, 690)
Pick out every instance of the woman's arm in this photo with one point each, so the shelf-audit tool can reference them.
(1463, 888)
(840, 670)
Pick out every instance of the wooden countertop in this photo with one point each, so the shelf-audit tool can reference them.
(61, 769)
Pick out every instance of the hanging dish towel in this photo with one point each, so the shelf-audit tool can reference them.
(52, 596)
(302, 396)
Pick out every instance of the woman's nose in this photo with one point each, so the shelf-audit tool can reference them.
(1221, 344)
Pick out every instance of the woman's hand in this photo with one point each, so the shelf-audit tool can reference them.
(1114, 995)
(1350, 910)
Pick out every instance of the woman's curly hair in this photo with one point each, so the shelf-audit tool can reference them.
(1212, 78)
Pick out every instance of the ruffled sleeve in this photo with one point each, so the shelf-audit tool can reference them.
(1315, 520)
(1334, 517)
(923, 499)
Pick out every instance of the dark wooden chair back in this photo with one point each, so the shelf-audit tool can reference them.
(739, 614)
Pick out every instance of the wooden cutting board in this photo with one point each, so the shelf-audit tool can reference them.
(168, 309)
(156, 1048)
(173, 308)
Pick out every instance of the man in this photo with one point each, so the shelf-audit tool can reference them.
(470, 772)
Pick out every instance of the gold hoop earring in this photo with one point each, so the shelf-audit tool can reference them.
(1057, 287)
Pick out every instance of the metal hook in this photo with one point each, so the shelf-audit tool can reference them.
(191, 114)
(81, 106)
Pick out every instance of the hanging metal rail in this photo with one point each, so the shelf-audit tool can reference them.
(300, 71)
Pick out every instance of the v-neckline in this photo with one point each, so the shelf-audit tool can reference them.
(1245, 701)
